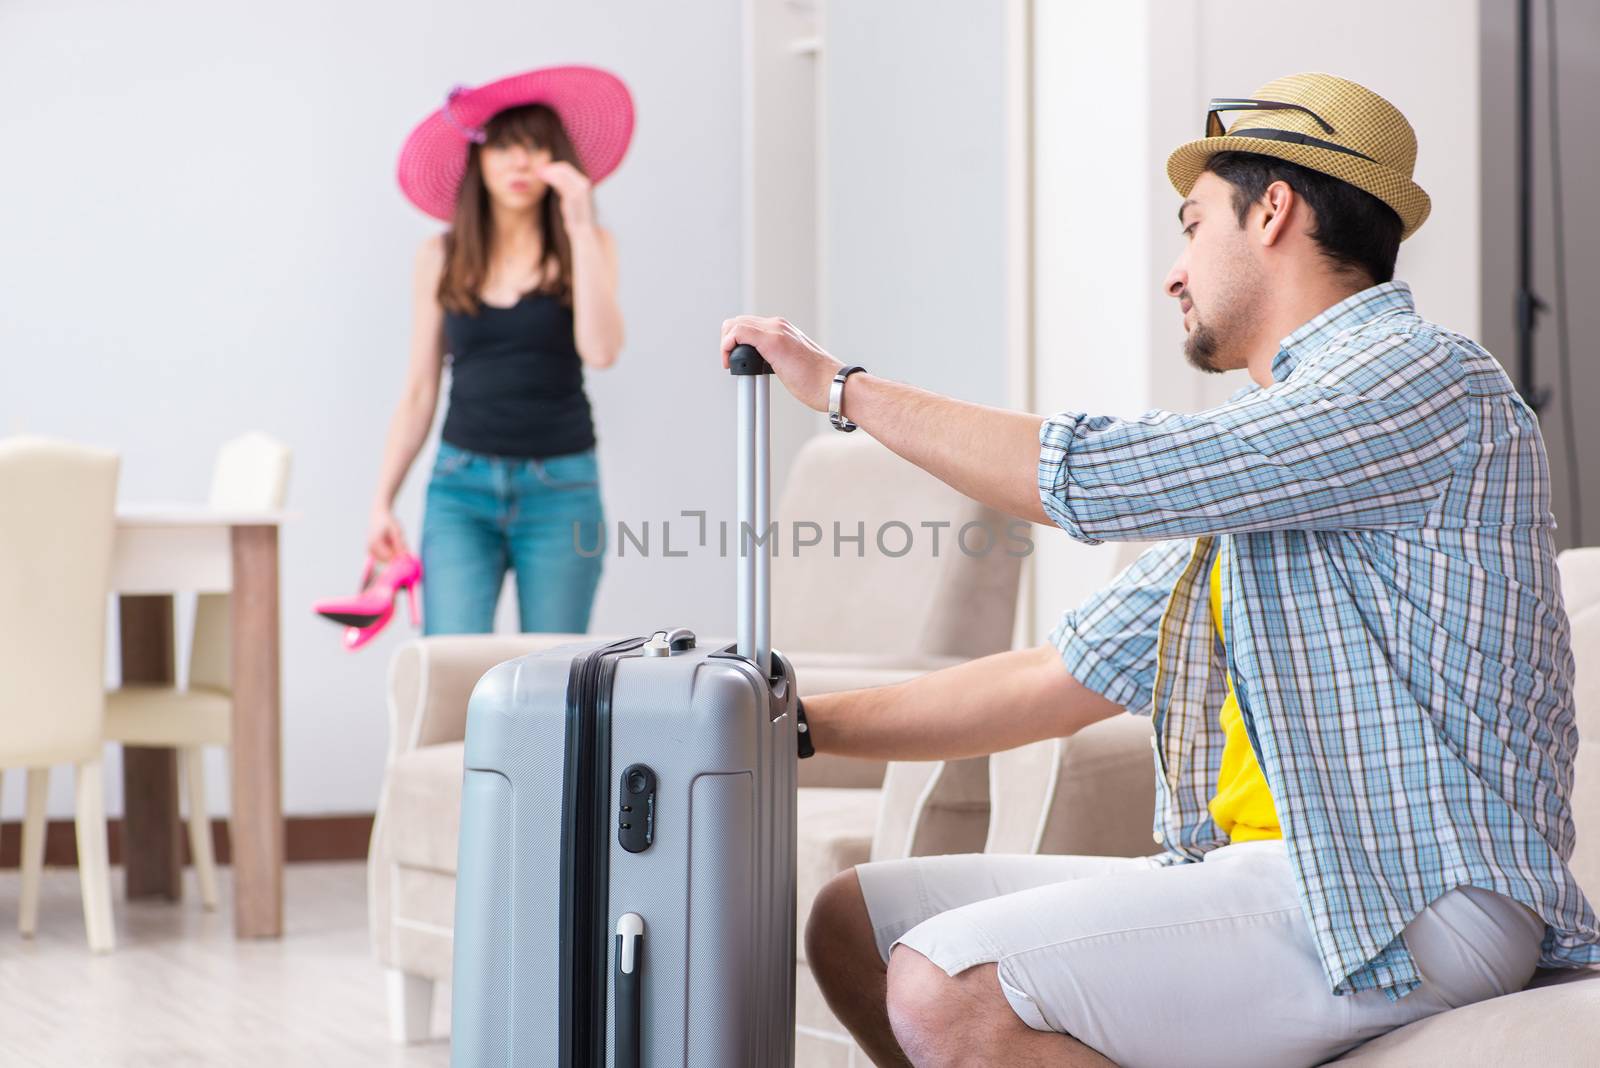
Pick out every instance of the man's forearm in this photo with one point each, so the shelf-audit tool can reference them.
(984, 706)
(989, 454)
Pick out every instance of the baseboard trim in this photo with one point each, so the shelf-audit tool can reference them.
(306, 838)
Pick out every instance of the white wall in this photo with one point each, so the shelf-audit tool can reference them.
(1578, 27)
(913, 197)
(782, 175)
(200, 234)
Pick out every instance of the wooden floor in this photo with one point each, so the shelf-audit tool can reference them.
(179, 990)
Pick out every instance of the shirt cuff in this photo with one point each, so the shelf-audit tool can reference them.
(1094, 671)
(1393, 970)
(1055, 435)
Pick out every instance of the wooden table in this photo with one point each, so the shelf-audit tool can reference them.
(159, 551)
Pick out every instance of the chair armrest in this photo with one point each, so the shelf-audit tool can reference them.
(1092, 793)
(430, 680)
(831, 770)
(807, 661)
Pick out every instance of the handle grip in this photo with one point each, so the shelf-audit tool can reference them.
(746, 360)
(629, 981)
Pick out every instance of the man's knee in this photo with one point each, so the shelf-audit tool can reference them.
(926, 1006)
(929, 1009)
(838, 929)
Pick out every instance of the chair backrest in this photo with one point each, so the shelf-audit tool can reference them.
(934, 573)
(931, 808)
(57, 524)
(1580, 588)
(251, 474)
(1092, 793)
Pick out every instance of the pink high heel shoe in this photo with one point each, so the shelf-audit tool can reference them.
(368, 612)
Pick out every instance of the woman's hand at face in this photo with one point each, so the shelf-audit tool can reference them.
(574, 190)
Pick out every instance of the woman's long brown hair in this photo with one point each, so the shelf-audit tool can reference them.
(466, 245)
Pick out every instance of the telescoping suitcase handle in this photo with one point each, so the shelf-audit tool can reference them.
(755, 505)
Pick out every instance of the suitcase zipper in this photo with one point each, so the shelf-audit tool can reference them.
(585, 857)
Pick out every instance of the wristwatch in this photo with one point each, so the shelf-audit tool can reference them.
(802, 731)
(836, 399)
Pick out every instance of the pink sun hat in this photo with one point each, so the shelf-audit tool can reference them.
(594, 106)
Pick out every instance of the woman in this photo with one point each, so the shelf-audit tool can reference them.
(521, 292)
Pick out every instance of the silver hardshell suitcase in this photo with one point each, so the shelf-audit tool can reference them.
(625, 890)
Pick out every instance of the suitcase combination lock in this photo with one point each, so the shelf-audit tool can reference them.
(636, 812)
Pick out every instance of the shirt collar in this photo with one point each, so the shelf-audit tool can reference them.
(1355, 310)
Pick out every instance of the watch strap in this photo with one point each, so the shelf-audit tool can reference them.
(836, 399)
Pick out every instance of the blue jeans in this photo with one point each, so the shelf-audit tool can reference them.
(487, 513)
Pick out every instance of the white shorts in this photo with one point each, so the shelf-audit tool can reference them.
(1207, 963)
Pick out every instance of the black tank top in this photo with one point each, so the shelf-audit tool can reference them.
(516, 382)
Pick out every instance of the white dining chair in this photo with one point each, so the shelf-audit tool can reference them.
(57, 526)
(251, 474)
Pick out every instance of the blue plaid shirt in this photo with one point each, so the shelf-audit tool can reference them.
(1396, 632)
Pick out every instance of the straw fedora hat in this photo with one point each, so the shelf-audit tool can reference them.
(594, 106)
(1323, 123)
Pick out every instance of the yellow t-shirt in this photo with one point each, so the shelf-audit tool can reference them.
(1242, 805)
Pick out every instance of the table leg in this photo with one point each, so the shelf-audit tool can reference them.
(152, 836)
(257, 812)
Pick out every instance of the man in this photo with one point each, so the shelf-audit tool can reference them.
(1352, 644)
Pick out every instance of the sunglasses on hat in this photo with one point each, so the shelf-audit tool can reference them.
(1214, 127)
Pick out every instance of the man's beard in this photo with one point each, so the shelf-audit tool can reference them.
(1201, 347)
